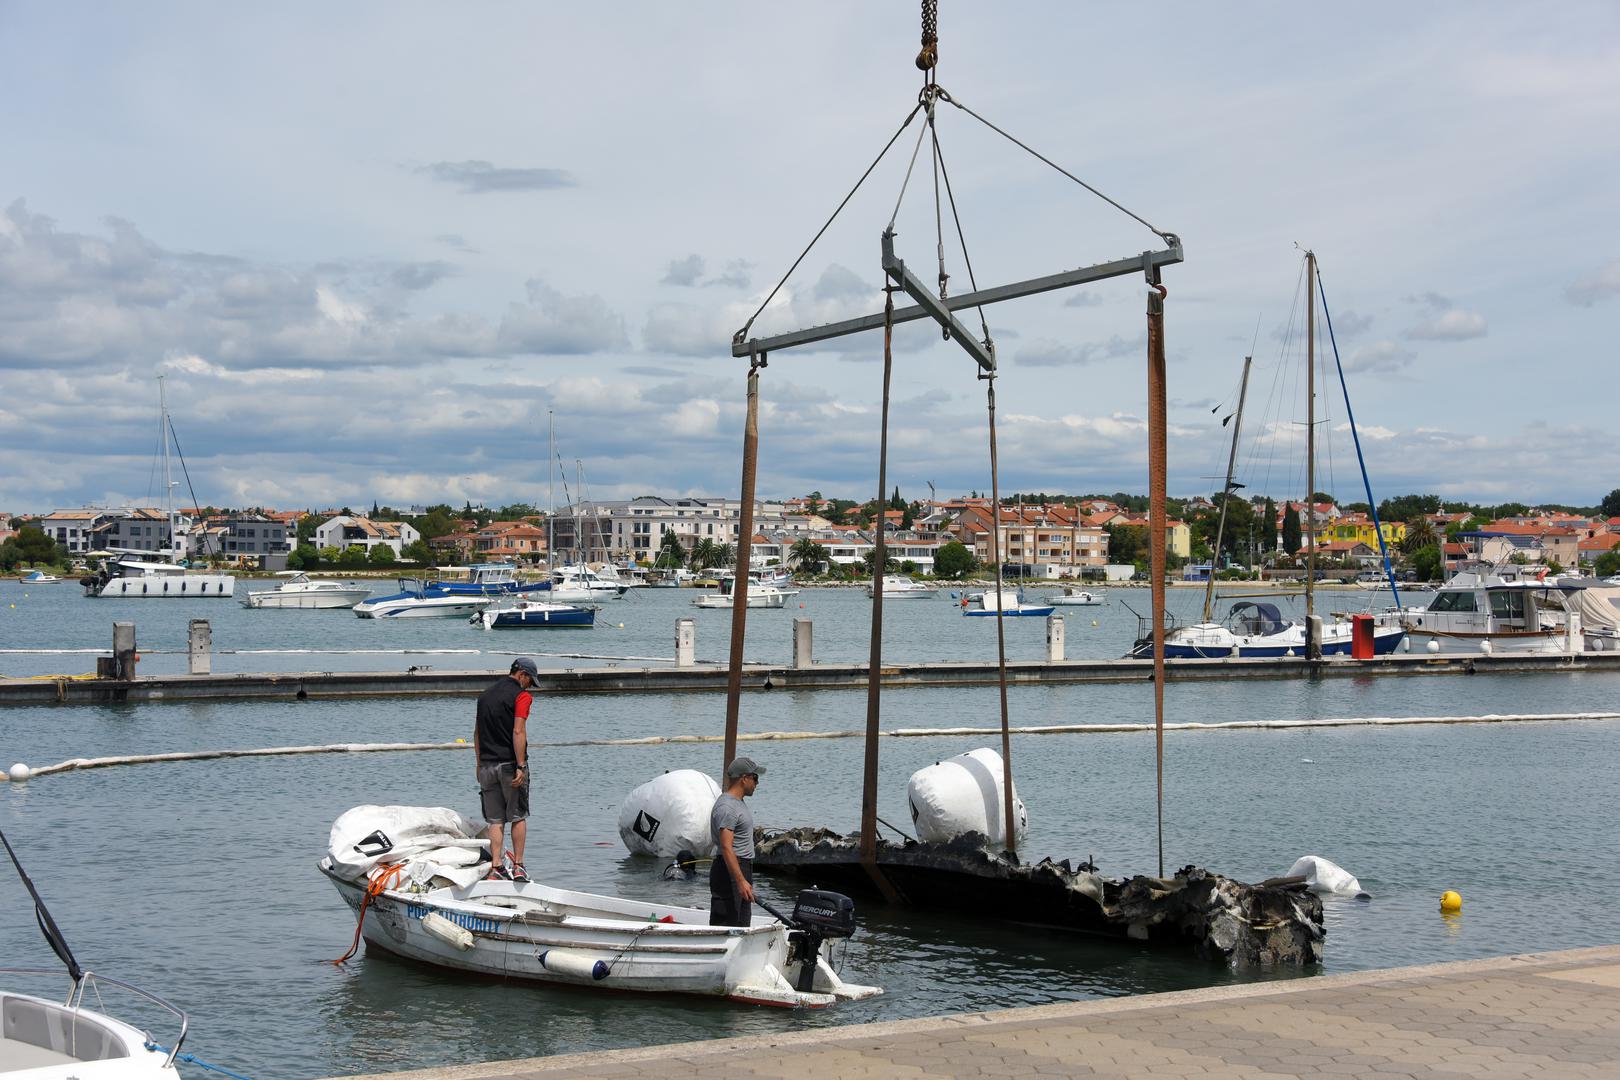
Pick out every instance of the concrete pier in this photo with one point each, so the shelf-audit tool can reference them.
(1549, 1014)
(304, 685)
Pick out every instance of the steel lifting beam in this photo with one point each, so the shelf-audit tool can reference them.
(1150, 261)
(982, 352)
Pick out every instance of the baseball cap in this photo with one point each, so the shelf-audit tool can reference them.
(742, 767)
(523, 663)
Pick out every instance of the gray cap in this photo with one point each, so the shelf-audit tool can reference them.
(742, 766)
(523, 663)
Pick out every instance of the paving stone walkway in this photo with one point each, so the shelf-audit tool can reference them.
(1543, 1015)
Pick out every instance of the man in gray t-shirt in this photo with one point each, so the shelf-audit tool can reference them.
(731, 827)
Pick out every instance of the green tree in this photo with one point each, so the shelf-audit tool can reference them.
(806, 554)
(724, 555)
(1610, 506)
(330, 554)
(1290, 530)
(1426, 563)
(1608, 563)
(1407, 507)
(307, 524)
(353, 556)
(303, 557)
(670, 552)
(381, 555)
(953, 561)
(702, 555)
(418, 551)
(1268, 528)
(435, 523)
(889, 565)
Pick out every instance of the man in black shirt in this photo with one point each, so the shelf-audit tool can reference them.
(501, 745)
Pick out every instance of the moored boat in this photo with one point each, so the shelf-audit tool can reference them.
(901, 587)
(398, 868)
(447, 597)
(39, 577)
(523, 612)
(758, 595)
(137, 578)
(1074, 596)
(1008, 602)
(303, 592)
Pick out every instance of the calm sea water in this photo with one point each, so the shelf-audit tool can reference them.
(198, 879)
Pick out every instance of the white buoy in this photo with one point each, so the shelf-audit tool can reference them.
(1433, 645)
(1485, 647)
(20, 771)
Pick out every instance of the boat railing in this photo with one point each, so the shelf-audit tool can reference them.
(90, 980)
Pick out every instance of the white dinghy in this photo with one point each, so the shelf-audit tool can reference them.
(414, 877)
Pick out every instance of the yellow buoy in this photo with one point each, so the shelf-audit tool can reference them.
(1450, 902)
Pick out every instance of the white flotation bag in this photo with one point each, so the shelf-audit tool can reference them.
(960, 795)
(431, 840)
(1324, 877)
(670, 813)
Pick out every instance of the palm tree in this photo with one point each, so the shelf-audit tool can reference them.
(702, 556)
(808, 553)
(1419, 535)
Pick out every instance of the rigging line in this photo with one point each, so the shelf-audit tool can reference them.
(939, 225)
(1350, 413)
(195, 505)
(961, 238)
(1168, 238)
(742, 334)
(915, 150)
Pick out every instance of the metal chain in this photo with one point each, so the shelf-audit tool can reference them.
(929, 56)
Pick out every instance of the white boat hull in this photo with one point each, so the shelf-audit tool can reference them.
(323, 599)
(1078, 599)
(431, 607)
(532, 931)
(167, 587)
(41, 1037)
(755, 600)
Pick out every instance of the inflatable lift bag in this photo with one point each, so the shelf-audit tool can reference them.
(962, 795)
(670, 813)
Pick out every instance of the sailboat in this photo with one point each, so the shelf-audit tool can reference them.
(1257, 629)
(130, 576)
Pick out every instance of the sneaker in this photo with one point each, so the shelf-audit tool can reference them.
(498, 873)
(518, 873)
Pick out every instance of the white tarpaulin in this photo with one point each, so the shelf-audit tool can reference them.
(433, 841)
(670, 813)
(960, 795)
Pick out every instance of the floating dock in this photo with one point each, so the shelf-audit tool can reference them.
(306, 685)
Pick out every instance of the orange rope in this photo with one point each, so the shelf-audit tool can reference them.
(382, 878)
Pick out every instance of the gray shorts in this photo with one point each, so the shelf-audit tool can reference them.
(503, 800)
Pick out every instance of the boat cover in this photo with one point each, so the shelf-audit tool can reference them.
(963, 795)
(1256, 619)
(1597, 605)
(433, 841)
(670, 814)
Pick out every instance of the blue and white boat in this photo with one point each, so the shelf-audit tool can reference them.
(1008, 602)
(524, 612)
(1259, 630)
(39, 577)
(440, 597)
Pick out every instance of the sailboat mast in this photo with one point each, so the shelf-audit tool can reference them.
(551, 488)
(1312, 646)
(1231, 468)
(168, 483)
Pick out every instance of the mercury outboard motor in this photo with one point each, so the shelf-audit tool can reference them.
(818, 914)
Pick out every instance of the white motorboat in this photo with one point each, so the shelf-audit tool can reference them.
(44, 1039)
(423, 605)
(582, 585)
(758, 595)
(136, 578)
(1074, 596)
(1009, 602)
(38, 577)
(900, 587)
(1478, 607)
(302, 591)
(414, 877)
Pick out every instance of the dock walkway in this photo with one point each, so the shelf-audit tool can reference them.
(1543, 1015)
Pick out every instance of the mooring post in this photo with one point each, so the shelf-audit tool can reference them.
(1054, 637)
(200, 643)
(123, 650)
(685, 642)
(802, 643)
(1577, 640)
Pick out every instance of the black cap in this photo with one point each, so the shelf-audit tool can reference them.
(524, 664)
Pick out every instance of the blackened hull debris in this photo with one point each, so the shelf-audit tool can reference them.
(1217, 918)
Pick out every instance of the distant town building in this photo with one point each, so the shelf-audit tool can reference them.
(346, 531)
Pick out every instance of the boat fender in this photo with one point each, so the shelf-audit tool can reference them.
(577, 964)
(447, 931)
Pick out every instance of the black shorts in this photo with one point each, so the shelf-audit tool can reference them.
(503, 800)
(726, 908)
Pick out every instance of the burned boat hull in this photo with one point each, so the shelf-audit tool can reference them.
(1214, 917)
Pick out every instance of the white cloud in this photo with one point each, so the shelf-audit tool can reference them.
(1451, 325)
(1380, 356)
(1601, 284)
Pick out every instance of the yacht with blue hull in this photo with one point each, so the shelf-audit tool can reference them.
(419, 598)
(523, 613)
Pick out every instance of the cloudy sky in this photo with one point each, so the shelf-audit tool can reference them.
(374, 246)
